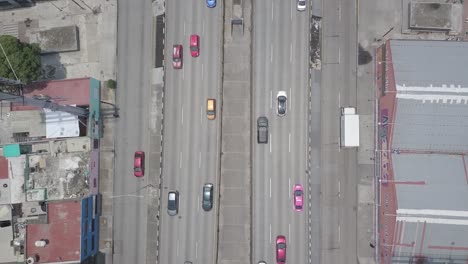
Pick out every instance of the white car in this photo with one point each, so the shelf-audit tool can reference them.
(281, 98)
(301, 5)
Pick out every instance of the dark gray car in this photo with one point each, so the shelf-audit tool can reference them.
(173, 203)
(207, 201)
(262, 130)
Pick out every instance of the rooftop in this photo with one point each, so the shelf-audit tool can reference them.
(425, 176)
(64, 176)
(63, 92)
(61, 234)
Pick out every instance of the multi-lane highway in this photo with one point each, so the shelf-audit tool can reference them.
(280, 63)
(191, 141)
(131, 131)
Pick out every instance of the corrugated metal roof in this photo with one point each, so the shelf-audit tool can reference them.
(425, 63)
(429, 142)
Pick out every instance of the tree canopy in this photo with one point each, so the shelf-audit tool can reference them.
(25, 59)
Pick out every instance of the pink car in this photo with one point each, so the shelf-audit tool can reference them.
(298, 193)
(280, 249)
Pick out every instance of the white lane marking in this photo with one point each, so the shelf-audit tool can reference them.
(271, 53)
(196, 250)
(291, 11)
(339, 144)
(180, 160)
(289, 232)
(290, 53)
(339, 188)
(339, 11)
(290, 97)
(177, 249)
(271, 101)
(270, 142)
(339, 55)
(289, 142)
(339, 233)
(339, 99)
(272, 14)
(201, 114)
(270, 233)
(183, 73)
(202, 71)
(182, 117)
(289, 187)
(198, 202)
(184, 28)
(203, 28)
(270, 187)
(199, 159)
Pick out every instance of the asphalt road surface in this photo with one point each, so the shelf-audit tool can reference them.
(280, 63)
(339, 172)
(191, 141)
(133, 93)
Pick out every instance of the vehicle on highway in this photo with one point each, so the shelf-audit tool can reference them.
(262, 262)
(282, 98)
(298, 193)
(262, 130)
(211, 3)
(139, 164)
(177, 56)
(280, 249)
(173, 203)
(207, 201)
(211, 109)
(301, 5)
(194, 45)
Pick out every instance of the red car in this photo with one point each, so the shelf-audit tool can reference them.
(139, 164)
(280, 250)
(177, 56)
(194, 45)
(298, 193)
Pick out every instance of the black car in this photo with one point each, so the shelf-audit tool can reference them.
(282, 98)
(262, 130)
(207, 202)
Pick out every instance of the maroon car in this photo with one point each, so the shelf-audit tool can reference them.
(194, 45)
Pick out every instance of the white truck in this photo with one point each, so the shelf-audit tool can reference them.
(349, 127)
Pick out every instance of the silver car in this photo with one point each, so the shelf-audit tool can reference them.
(282, 97)
(173, 203)
(301, 5)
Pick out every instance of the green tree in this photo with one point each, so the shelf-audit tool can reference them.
(25, 59)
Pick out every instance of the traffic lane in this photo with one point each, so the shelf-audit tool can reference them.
(262, 204)
(127, 196)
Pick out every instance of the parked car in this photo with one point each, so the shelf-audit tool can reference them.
(211, 3)
(194, 45)
(281, 249)
(298, 193)
(211, 109)
(282, 98)
(301, 5)
(139, 164)
(262, 130)
(207, 201)
(177, 56)
(173, 203)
